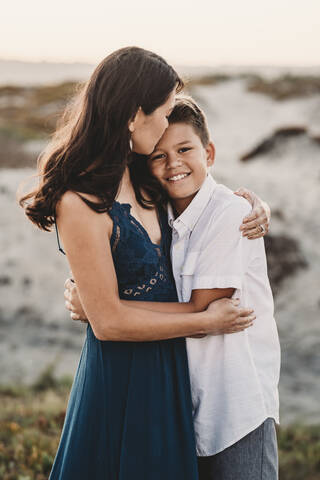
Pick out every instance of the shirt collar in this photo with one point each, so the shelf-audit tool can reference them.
(189, 217)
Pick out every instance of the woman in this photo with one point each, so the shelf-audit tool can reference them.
(129, 412)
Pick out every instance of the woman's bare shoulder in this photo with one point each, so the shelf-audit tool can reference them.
(71, 206)
(72, 200)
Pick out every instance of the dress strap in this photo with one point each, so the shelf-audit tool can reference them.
(57, 231)
(57, 234)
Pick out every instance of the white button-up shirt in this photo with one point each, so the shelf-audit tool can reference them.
(234, 377)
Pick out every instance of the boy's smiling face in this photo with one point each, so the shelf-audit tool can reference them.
(180, 163)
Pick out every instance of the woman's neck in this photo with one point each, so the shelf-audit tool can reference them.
(126, 191)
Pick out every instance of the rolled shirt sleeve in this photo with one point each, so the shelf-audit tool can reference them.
(225, 253)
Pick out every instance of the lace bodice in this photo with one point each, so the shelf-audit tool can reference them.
(143, 273)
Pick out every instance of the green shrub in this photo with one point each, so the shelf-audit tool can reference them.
(31, 421)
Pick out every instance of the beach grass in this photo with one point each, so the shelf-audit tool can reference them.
(285, 87)
(31, 419)
(32, 112)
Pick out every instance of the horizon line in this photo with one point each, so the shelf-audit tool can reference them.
(194, 65)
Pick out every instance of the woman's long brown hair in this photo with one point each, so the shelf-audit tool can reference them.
(89, 151)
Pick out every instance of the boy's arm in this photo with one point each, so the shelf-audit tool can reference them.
(199, 301)
(201, 298)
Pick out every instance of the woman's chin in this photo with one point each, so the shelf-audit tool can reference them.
(147, 152)
(143, 149)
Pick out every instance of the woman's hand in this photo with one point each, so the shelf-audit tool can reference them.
(256, 224)
(72, 301)
(225, 316)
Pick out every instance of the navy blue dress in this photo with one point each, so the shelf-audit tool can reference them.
(129, 415)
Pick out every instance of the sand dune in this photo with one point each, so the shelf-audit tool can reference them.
(36, 330)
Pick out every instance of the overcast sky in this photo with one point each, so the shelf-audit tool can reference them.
(197, 32)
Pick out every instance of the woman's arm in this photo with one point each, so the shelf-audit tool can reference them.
(199, 301)
(85, 238)
(257, 223)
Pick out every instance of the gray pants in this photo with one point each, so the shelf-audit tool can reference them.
(254, 457)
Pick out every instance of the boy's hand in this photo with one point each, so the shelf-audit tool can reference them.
(227, 317)
(256, 224)
(72, 301)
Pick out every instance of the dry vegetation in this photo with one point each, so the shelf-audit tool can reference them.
(210, 79)
(283, 87)
(29, 114)
(31, 420)
(32, 112)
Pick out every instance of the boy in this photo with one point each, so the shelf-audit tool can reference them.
(234, 377)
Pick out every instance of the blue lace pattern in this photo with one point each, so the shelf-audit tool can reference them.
(143, 273)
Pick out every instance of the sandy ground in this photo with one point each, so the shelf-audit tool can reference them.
(34, 327)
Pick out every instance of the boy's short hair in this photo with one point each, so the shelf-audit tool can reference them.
(187, 111)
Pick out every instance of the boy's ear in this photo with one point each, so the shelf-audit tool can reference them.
(211, 153)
